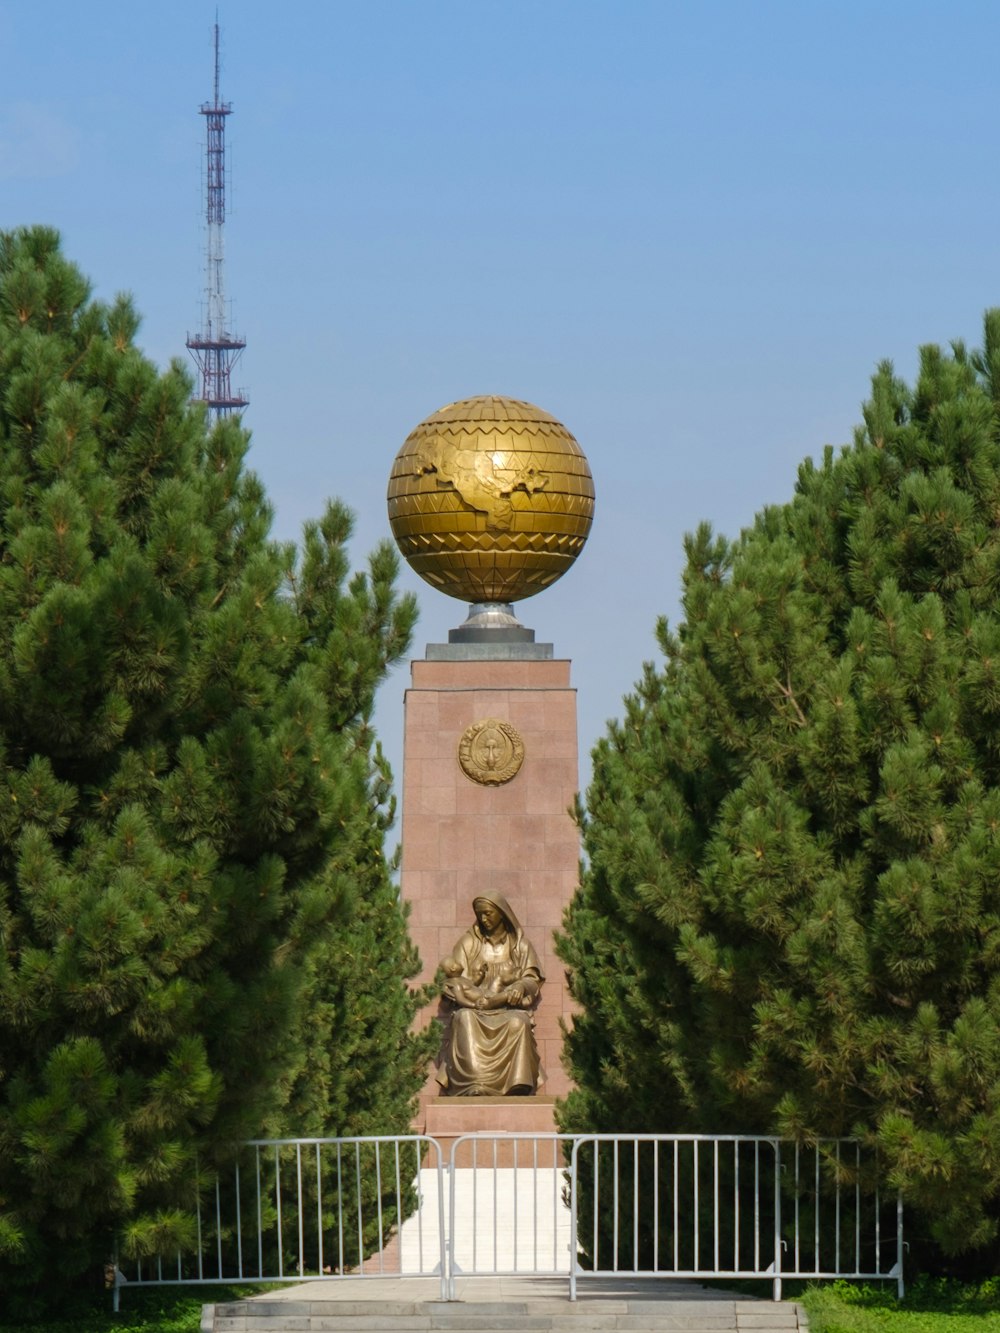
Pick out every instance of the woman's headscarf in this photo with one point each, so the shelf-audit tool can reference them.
(521, 949)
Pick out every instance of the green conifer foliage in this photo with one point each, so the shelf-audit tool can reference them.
(790, 919)
(196, 919)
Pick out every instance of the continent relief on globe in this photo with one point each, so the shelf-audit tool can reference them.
(479, 476)
(490, 499)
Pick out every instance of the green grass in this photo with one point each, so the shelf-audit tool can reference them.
(163, 1310)
(931, 1306)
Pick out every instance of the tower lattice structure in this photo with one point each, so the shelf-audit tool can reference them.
(215, 349)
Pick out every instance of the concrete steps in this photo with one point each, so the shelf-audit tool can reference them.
(287, 1314)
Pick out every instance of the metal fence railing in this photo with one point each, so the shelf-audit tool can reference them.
(590, 1205)
(509, 1205)
(314, 1210)
(730, 1206)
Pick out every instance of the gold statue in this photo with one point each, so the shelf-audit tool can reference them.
(492, 982)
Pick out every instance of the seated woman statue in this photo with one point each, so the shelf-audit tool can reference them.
(492, 979)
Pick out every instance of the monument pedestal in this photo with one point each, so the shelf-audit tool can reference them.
(462, 837)
(448, 1117)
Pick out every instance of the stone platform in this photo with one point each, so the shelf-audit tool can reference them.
(445, 1118)
(518, 1304)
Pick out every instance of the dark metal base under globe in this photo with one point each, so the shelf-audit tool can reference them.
(491, 622)
(490, 632)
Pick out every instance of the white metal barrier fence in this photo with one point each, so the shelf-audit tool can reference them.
(587, 1206)
(731, 1206)
(509, 1210)
(314, 1210)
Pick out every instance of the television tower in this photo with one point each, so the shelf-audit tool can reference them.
(216, 350)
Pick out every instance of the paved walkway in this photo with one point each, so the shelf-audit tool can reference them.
(506, 1220)
(549, 1289)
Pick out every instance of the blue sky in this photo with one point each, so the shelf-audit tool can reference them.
(688, 230)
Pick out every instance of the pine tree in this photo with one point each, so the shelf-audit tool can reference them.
(790, 919)
(192, 803)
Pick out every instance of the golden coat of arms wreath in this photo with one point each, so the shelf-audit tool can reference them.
(490, 751)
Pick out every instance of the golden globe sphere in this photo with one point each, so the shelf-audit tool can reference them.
(490, 499)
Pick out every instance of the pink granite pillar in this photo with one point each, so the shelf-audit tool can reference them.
(461, 838)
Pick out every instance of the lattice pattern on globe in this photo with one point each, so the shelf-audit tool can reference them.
(490, 499)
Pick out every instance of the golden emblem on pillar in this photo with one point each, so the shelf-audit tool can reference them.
(490, 751)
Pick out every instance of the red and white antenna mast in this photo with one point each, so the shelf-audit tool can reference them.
(216, 350)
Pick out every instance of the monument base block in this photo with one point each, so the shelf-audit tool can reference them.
(446, 1118)
(463, 837)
